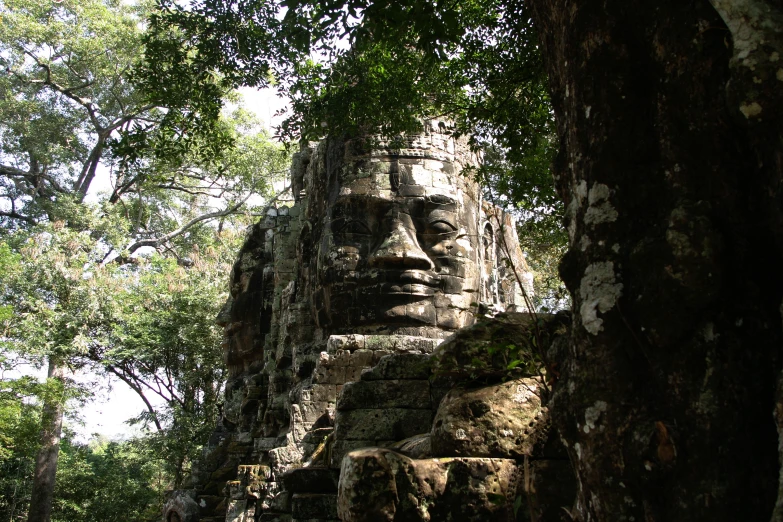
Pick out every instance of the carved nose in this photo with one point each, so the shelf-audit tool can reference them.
(400, 249)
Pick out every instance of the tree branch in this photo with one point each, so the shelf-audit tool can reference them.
(133, 386)
(155, 243)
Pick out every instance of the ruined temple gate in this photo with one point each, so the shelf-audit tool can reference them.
(386, 252)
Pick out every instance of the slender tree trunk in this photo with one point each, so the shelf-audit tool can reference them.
(672, 182)
(46, 462)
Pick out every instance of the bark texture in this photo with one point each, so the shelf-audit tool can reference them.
(46, 461)
(672, 180)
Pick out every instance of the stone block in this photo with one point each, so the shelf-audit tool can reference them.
(377, 355)
(313, 412)
(340, 358)
(400, 366)
(384, 394)
(313, 506)
(323, 393)
(352, 373)
(238, 511)
(361, 358)
(382, 485)
(344, 342)
(401, 343)
(341, 448)
(381, 424)
(503, 420)
(281, 459)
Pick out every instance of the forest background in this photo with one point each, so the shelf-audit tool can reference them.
(130, 170)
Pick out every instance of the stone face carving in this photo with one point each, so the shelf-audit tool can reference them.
(400, 243)
(385, 249)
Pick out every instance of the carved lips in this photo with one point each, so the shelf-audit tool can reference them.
(414, 283)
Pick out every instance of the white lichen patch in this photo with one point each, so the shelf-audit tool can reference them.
(599, 291)
(754, 26)
(584, 243)
(524, 392)
(592, 414)
(581, 191)
(599, 209)
(750, 110)
(599, 192)
(572, 209)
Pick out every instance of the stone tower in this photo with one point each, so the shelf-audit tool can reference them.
(387, 249)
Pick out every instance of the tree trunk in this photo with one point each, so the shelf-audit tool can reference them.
(672, 178)
(46, 462)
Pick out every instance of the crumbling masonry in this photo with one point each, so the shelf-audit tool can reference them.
(337, 306)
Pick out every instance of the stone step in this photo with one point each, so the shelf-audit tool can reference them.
(385, 394)
(308, 506)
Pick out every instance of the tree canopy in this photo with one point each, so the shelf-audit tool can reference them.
(118, 219)
(378, 68)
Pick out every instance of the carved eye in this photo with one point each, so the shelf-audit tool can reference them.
(440, 226)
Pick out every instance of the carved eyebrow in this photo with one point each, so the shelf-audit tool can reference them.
(440, 200)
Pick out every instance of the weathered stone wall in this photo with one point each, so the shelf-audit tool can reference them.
(384, 252)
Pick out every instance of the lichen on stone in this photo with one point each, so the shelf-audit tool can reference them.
(598, 291)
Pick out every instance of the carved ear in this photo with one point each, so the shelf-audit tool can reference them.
(394, 176)
(399, 175)
(488, 241)
(488, 267)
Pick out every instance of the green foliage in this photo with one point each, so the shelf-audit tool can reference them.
(64, 96)
(97, 482)
(150, 324)
(19, 426)
(107, 481)
(125, 282)
(164, 337)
